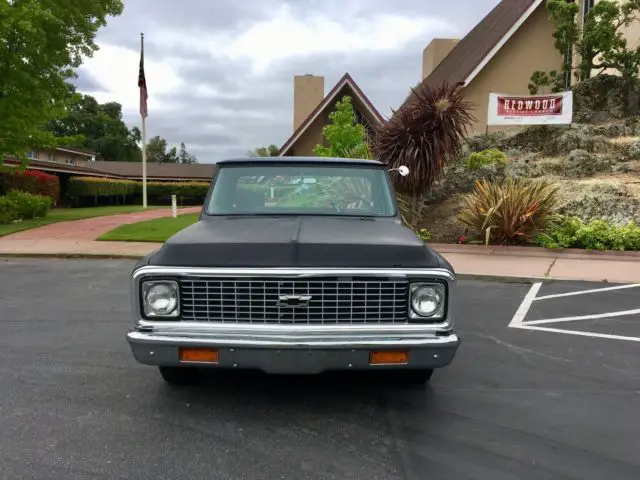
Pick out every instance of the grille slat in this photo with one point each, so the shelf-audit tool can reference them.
(256, 300)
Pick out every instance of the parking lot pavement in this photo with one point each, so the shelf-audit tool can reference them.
(516, 403)
(579, 308)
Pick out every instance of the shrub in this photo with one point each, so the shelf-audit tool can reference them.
(486, 157)
(83, 188)
(425, 132)
(9, 210)
(513, 211)
(78, 187)
(29, 205)
(164, 190)
(17, 205)
(424, 234)
(571, 232)
(31, 181)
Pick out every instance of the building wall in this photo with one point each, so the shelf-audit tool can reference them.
(310, 138)
(58, 156)
(435, 52)
(529, 49)
(308, 92)
(313, 135)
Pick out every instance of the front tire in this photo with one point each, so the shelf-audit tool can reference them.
(179, 375)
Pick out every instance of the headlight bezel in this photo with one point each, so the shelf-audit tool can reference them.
(147, 312)
(440, 313)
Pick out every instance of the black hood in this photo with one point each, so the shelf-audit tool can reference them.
(292, 241)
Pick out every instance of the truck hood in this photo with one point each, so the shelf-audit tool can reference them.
(292, 241)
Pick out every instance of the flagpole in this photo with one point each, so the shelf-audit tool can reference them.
(144, 141)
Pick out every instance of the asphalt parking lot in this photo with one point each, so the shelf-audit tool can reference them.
(546, 385)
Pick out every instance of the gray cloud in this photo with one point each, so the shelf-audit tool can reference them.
(86, 82)
(252, 110)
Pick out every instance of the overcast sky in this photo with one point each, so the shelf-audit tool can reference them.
(220, 72)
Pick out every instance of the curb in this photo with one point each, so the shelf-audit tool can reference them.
(532, 279)
(500, 278)
(459, 276)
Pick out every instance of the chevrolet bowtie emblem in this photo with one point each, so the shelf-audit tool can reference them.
(293, 301)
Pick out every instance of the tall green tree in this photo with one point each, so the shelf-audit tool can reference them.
(157, 151)
(270, 151)
(344, 136)
(186, 157)
(99, 128)
(41, 43)
(599, 42)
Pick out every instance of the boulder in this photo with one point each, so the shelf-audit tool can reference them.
(612, 202)
(601, 98)
(634, 150)
(581, 163)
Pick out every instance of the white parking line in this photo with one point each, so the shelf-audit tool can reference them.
(583, 292)
(584, 317)
(518, 319)
(582, 334)
(522, 311)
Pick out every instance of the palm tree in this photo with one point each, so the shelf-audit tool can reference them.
(423, 134)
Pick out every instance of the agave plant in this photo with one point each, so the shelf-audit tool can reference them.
(510, 212)
(426, 131)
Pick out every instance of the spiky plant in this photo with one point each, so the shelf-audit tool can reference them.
(423, 134)
(511, 212)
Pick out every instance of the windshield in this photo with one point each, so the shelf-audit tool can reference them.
(301, 189)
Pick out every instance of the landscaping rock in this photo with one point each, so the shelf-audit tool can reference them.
(533, 165)
(484, 141)
(577, 138)
(613, 130)
(614, 203)
(536, 138)
(634, 150)
(457, 179)
(581, 163)
(601, 98)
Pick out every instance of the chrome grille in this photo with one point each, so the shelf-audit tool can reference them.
(333, 300)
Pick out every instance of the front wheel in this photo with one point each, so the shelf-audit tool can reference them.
(179, 375)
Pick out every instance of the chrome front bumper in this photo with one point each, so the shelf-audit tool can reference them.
(292, 349)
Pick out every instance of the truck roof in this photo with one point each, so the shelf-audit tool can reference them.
(284, 160)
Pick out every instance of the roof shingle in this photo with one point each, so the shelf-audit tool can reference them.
(477, 44)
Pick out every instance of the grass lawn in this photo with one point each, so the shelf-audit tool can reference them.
(65, 214)
(157, 230)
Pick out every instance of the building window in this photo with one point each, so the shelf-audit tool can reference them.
(363, 121)
(32, 155)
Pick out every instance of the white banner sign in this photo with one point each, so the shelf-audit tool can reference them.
(551, 109)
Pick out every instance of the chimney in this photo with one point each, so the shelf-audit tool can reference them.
(308, 92)
(435, 52)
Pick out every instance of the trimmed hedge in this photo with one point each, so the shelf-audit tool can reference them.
(82, 190)
(30, 181)
(17, 205)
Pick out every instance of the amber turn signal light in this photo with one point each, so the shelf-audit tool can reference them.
(388, 358)
(201, 355)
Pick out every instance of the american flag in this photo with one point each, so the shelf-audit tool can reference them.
(142, 82)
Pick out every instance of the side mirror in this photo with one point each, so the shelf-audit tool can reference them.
(402, 170)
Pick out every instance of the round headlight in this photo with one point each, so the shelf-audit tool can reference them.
(426, 301)
(161, 299)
